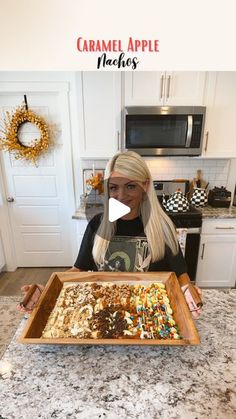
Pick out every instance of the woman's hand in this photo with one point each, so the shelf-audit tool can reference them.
(195, 310)
(32, 300)
(35, 296)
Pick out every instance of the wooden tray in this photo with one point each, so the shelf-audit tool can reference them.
(182, 316)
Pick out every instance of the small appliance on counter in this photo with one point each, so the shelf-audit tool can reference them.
(219, 197)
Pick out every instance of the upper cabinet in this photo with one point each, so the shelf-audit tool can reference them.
(101, 97)
(99, 113)
(153, 88)
(220, 101)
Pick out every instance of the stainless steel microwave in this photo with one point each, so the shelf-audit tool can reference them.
(164, 130)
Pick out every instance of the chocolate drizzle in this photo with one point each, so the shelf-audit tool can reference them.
(110, 322)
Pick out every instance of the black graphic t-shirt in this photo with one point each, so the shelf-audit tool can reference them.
(127, 251)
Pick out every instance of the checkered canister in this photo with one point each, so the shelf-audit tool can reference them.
(199, 198)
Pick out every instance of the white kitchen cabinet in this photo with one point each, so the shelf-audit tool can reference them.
(220, 101)
(217, 255)
(99, 113)
(156, 88)
(2, 257)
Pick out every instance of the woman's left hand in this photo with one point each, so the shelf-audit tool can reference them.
(196, 311)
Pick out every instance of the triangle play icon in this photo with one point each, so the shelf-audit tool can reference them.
(117, 209)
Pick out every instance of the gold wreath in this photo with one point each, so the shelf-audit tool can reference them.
(11, 142)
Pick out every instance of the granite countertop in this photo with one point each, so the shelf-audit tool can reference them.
(207, 212)
(210, 212)
(90, 212)
(127, 382)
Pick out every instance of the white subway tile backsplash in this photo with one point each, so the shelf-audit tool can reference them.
(172, 170)
(194, 163)
(214, 171)
(220, 177)
(185, 172)
(220, 163)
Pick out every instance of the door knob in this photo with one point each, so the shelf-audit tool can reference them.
(10, 199)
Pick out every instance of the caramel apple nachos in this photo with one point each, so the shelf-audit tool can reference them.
(112, 311)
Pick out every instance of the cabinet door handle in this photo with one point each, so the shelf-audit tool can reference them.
(168, 87)
(203, 250)
(162, 87)
(206, 144)
(224, 228)
(118, 140)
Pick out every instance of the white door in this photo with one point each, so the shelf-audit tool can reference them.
(42, 203)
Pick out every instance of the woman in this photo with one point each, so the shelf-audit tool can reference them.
(144, 239)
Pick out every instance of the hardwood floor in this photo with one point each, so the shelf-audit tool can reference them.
(11, 282)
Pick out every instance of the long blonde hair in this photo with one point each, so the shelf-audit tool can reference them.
(158, 227)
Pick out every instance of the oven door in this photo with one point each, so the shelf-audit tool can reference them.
(191, 251)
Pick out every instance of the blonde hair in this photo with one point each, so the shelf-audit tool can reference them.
(158, 227)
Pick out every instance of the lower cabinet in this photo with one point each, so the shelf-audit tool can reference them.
(217, 254)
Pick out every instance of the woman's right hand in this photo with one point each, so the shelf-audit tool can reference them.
(194, 309)
(32, 300)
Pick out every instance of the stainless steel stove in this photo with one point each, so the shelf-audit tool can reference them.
(191, 220)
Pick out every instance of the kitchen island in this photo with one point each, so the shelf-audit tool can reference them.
(124, 381)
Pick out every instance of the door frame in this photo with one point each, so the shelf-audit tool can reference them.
(25, 87)
(5, 226)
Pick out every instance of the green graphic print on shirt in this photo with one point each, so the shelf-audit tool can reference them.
(127, 254)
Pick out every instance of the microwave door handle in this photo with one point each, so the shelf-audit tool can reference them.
(189, 131)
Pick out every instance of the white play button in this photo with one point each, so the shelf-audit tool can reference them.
(117, 210)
